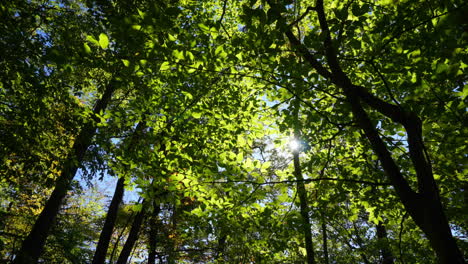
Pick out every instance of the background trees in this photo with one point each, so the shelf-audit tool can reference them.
(376, 91)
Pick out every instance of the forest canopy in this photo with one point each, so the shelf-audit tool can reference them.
(250, 131)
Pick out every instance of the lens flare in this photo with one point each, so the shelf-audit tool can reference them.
(294, 145)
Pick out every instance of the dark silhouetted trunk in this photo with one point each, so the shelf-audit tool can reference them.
(116, 244)
(325, 246)
(387, 257)
(33, 245)
(219, 257)
(301, 191)
(107, 230)
(154, 229)
(360, 243)
(423, 206)
(132, 236)
(171, 245)
(106, 233)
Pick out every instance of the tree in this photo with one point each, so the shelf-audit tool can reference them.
(191, 106)
(423, 205)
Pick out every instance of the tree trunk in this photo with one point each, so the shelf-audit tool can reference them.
(132, 236)
(154, 226)
(221, 247)
(116, 244)
(106, 233)
(325, 246)
(424, 206)
(34, 243)
(172, 254)
(387, 257)
(302, 192)
(431, 219)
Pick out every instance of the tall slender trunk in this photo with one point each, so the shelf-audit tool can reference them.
(301, 191)
(325, 246)
(132, 236)
(360, 242)
(154, 228)
(171, 257)
(424, 206)
(221, 247)
(114, 248)
(387, 256)
(33, 245)
(106, 233)
(350, 239)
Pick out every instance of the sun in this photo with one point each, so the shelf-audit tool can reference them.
(294, 144)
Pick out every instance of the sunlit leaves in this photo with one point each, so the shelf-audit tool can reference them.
(86, 47)
(103, 41)
(217, 94)
(196, 115)
(165, 66)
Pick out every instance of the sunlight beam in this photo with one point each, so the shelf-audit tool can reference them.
(294, 145)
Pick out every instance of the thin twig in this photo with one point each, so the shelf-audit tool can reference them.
(301, 17)
(416, 26)
(399, 236)
(305, 181)
(389, 91)
(222, 17)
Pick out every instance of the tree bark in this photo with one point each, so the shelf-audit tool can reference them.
(33, 245)
(106, 233)
(301, 191)
(132, 236)
(172, 254)
(387, 256)
(221, 247)
(116, 244)
(325, 246)
(424, 206)
(153, 233)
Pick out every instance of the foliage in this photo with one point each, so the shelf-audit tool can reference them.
(201, 112)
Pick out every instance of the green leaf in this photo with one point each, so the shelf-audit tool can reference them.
(219, 49)
(171, 37)
(441, 67)
(464, 93)
(204, 27)
(137, 207)
(165, 66)
(141, 13)
(240, 157)
(103, 41)
(190, 55)
(341, 14)
(86, 48)
(196, 115)
(92, 40)
(189, 96)
(241, 141)
(179, 55)
(126, 62)
(359, 11)
(139, 74)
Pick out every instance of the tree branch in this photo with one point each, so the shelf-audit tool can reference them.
(301, 17)
(305, 181)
